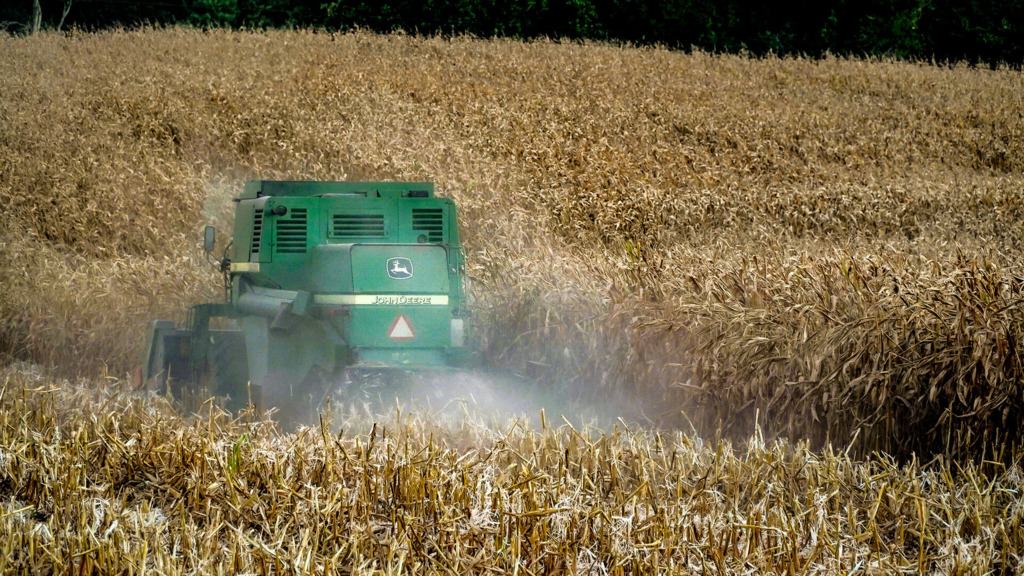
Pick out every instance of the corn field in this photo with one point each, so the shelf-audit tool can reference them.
(815, 261)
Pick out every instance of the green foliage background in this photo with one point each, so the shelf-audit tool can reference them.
(979, 31)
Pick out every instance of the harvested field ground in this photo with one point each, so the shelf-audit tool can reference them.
(829, 247)
(99, 481)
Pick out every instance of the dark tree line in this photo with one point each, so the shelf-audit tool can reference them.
(980, 31)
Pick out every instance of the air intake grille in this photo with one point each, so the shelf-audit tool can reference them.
(291, 232)
(357, 226)
(429, 221)
(257, 234)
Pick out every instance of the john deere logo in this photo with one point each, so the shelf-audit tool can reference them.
(400, 268)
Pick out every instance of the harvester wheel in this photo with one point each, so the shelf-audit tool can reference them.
(174, 372)
(296, 403)
(230, 366)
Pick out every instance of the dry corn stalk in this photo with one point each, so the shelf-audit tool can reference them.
(835, 242)
(98, 480)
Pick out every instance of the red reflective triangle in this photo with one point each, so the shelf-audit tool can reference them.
(401, 329)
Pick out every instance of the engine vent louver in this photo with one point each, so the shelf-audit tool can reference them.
(290, 232)
(429, 221)
(357, 226)
(257, 235)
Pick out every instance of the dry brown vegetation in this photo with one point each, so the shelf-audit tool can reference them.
(835, 244)
(99, 480)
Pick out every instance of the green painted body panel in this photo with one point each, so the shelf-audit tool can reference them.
(321, 272)
(299, 188)
(369, 326)
(419, 358)
(426, 265)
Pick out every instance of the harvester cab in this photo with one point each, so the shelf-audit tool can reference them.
(323, 279)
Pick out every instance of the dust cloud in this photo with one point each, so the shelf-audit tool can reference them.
(460, 395)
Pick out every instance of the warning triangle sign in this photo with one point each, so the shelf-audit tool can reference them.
(401, 329)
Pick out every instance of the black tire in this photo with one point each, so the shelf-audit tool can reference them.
(175, 377)
(295, 403)
(229, 364)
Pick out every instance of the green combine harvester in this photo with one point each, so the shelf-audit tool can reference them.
(325, 281)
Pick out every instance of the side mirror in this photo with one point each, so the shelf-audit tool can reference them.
(209, 239)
